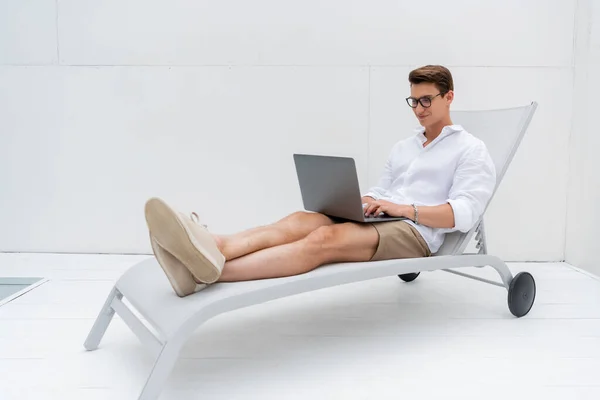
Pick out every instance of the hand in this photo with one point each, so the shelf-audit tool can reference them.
(383, 206)
(367, 199)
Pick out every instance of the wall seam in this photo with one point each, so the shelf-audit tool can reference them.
(577, 71)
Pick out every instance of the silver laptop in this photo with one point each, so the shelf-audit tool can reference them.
(329, 185)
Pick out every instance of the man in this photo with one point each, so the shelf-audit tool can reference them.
(441, 179)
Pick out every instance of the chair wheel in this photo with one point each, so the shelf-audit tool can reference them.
(409, 277)
(521, 294)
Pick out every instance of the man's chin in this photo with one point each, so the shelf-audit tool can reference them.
(427, 121)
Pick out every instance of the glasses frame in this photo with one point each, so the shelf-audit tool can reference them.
(420, 100)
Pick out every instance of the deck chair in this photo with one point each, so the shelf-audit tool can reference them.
(163, 322)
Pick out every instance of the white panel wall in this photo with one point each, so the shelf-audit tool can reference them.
(316, 32)
(583, 228)
(88, 146)
(204, 103)
(28, 32)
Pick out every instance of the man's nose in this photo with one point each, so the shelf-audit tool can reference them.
(419, 109)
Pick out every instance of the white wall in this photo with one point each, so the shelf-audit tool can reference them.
(103, 104)
(583, 227)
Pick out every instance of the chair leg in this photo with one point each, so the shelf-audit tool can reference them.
(102, 321)
(502, 269)
(160, 371)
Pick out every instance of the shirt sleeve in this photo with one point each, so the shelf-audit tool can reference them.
(472, 187)
(381, 189)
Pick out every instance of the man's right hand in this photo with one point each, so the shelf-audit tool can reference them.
(367, 199)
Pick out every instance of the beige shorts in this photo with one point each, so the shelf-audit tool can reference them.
(399, 239)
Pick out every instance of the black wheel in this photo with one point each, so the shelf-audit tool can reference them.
(409, 277)
(521, 294)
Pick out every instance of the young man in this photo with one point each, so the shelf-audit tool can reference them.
(441, 179)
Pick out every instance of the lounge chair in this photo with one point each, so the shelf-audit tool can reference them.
(169, 320)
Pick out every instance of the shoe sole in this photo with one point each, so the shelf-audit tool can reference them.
(173, 236)
(169, 263)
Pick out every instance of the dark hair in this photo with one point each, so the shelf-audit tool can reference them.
(438, 75)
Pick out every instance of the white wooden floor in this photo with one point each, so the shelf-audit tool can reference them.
(440, 337)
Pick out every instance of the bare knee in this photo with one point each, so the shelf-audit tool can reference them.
(297, 216)
(342, 242)
(303, 217)
(323, 236)
(304, 222)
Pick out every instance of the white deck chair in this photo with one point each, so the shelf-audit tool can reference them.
(170, 320)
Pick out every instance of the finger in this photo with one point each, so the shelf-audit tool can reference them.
(377, 208)
(370, 208)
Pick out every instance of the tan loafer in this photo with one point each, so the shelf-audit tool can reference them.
(179, 276)
(185, 239)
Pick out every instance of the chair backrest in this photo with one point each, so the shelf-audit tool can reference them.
(502, 131)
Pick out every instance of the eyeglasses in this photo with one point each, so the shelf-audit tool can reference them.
(425, 101)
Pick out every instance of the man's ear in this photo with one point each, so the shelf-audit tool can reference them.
(449, 96)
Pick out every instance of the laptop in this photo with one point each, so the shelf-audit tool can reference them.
(329, 185)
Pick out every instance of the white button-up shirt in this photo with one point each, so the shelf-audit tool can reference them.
(454, 168)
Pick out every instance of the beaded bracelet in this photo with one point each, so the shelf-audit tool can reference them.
(416, 220)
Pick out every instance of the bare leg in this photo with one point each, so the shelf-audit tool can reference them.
(327, 244)
(287, 230)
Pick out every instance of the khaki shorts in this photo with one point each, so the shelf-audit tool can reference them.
(399, 239)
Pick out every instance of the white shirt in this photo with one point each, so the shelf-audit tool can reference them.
(454, 168)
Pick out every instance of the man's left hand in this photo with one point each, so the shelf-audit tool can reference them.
(392, 209)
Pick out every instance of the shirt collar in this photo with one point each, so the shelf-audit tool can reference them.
(447, 130)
